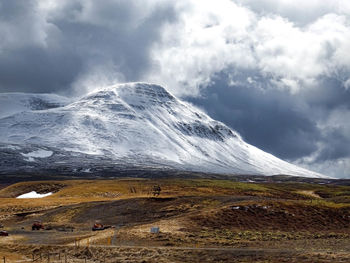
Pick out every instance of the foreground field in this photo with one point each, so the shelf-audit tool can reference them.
(200, 220)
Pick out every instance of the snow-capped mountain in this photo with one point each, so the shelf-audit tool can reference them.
(127, 125)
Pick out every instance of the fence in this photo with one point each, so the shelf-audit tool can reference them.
(62, 257)
(52, 257)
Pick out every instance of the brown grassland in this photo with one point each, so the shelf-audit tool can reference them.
(200, 220)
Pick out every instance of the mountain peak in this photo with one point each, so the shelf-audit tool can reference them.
(132, 95)
(135, 89)
(134, 124)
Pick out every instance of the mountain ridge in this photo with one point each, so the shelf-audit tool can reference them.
(133, 124)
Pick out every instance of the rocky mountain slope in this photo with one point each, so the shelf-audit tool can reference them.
(135, 125)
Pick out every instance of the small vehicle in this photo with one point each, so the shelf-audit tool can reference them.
(98, 226)
(4, 233)
(37, 225)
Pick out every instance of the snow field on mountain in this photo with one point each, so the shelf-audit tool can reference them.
(140, 122)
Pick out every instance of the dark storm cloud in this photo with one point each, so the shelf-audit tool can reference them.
(337, 146)
(329, 105)
(269, 119)
(35, 70)
(328, 94)
(47, 50)
(291, 126)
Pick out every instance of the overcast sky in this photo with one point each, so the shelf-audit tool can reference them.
(277, 71)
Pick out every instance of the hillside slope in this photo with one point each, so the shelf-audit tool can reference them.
(134, 124)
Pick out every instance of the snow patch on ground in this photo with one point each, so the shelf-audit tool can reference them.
(33, 194)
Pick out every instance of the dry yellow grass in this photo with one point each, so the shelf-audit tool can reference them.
(78, 191)
(187, 212)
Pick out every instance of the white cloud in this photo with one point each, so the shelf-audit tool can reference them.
(212, 37)
(299, 11)
(209, 38)
(96, 76)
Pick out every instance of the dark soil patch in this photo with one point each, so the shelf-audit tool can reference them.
(276, 216)
(135, 210)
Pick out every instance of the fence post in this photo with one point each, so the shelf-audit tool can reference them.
(4, 258)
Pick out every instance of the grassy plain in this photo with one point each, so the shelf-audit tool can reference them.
(200, 220)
